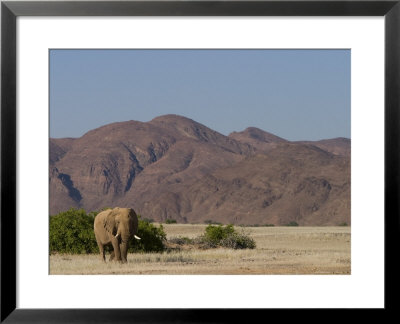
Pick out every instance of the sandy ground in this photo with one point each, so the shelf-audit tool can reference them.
(279, 250)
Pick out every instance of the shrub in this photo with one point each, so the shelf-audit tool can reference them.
(238, 241)
(170, 221)
(72, 232)
(152, 238)
(292, 223)
(215, 236)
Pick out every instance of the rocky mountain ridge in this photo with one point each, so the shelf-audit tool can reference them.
(173, 167)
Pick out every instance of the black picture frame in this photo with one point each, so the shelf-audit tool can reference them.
(10, 10)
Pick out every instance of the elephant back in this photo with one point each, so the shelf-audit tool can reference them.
(100, 217)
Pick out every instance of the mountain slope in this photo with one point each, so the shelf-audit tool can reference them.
(298, 183)
(174, 167)
(338, 146)
(104, 165)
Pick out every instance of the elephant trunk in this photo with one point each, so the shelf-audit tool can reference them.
(124, 247)
(124, 251)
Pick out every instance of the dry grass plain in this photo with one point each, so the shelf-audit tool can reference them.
(279, 250)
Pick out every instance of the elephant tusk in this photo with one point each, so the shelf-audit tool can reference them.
(116, 235)
(137, 237)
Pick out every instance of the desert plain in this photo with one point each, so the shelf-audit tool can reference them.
(279, 250)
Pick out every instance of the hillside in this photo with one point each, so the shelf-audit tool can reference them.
(338, 146)
(174, 167)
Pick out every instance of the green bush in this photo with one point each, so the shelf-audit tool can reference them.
(292, 224)
(152, 238)
(226, 236)
(238, 241)
(215, 234)
(72, 232)
(170, 221)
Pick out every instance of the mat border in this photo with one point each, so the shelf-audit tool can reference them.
(10, 10)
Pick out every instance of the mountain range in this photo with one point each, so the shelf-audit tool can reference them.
(173, 167)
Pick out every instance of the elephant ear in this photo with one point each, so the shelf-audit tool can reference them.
(109, 223)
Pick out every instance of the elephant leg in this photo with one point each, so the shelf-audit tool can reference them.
(112, 256)
(102, 253)
(101, 249)
(117, 252)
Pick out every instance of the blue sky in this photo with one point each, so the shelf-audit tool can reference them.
(294, 94)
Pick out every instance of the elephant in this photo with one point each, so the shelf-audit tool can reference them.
(116, 226)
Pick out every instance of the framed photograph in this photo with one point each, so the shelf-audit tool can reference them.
(197, 159)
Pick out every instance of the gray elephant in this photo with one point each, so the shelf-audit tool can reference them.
(115, 226)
